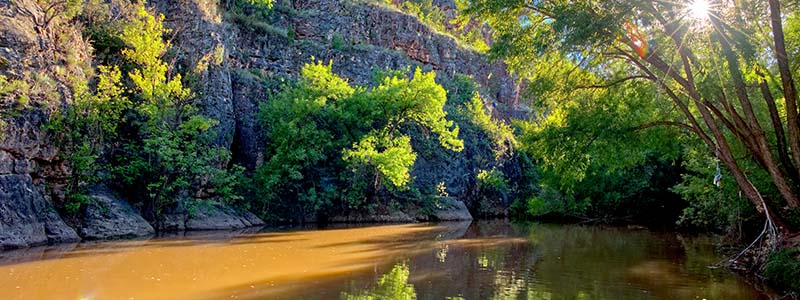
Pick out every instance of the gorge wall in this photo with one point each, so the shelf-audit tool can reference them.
(239, 62)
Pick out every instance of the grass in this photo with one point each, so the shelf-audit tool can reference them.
(258, 25)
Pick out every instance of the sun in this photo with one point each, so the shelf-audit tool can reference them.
(699, 9)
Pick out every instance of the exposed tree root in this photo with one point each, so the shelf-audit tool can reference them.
(754, 256)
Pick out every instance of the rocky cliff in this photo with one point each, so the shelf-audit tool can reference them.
(359, 37)
(30, 169)
(238, 60)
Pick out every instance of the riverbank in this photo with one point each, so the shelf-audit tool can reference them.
(109, 217)
(782, 270)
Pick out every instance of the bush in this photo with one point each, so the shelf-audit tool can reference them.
(710, 207)
(783, 269)
(493, 180)
(337, 42)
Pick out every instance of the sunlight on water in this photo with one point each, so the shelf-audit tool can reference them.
(483, 260)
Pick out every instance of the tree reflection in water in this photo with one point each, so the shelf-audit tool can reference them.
(500, 261)
(391, 286)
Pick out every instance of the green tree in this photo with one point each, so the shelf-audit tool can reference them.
(704, 65)
(87, 129)
(332, 143)
(172, 152)
(398, 101)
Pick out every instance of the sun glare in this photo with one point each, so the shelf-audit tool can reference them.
(699, 9)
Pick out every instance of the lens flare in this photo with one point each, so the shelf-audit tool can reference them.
(699, 9)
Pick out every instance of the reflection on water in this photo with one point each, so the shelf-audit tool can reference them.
(482, 260)
(392, 286)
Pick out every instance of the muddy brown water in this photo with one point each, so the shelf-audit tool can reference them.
(478, 260)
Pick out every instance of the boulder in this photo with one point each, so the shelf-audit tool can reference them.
(109, 217)
(206, 215)
(250, 219)
(27, 217)
(217, 216)
(450, 209)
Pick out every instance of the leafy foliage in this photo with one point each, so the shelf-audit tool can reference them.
(174, 153)
(86, 130)
(332, 143)
(140, 128)
(262, 3)
(596, 154)
(626, 87)
(710, 207)
(493, 180)
(783, 268)
(391, 286)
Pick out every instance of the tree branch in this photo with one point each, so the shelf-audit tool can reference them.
(615, 82)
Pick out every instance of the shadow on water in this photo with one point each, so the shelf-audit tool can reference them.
(174, 239)
(251, 235)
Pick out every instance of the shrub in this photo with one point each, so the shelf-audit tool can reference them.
(337, 42)
(783, 269)
(493, 180)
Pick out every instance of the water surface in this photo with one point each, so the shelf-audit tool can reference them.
(480, 260)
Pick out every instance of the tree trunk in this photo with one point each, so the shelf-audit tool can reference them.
(761, 147)
(789, 89)
(777, 125)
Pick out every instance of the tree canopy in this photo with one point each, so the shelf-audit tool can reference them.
(721, 75)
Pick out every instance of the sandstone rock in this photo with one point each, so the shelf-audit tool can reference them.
(375, 38)
(248, 141)
(6, 163)
(109, 217)
(172, 222)
(56, 230)
(27, 218)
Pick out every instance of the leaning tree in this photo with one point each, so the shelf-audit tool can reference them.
(722, 64)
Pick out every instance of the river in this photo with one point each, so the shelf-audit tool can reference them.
(478, 260)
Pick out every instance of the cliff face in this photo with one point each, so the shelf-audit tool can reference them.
(30, 169)
(237, 64)
(359, 37)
